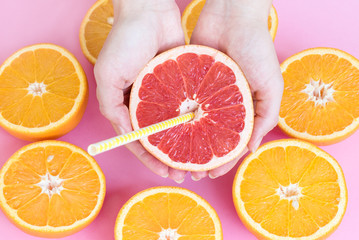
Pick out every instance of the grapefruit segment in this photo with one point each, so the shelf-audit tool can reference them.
(218, 77)
(156, 92)
(194, 68)
(193, 79)
(222, 140)
(181, 151)
(201, 149)
(149, 113)
(170, 138)
(231, 118)
(170, 75)
(227, 96)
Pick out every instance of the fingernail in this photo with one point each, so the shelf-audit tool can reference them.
(165, 175)
(179, 181)
(256, 145)
(194, 178)
(211, 176)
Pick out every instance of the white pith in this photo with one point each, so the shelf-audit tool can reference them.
(245, 217)
(169, 234)
(240, 82)
(110, 20)
(292, 193)
(189, 105)
(319, 92)
(37, 89)
(51, 184)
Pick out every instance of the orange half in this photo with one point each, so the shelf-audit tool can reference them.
(321, 95)
(43, 92)
(290, 189)
(51, 189)
(191, 14)
(167, 213)
(95, 27)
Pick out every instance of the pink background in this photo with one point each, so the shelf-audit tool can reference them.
(302, 24)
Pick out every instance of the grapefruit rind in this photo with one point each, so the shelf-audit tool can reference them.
(241, 82)
(68, 121)
(49, 231)
(155, 190)
(255, 227)
(321, 139)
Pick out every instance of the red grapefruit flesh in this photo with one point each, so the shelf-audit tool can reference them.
(203, 80)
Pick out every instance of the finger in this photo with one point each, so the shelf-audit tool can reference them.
(208, 24)
(177, 175)
(146, 158)
(203, 33)
(196, 176)
(220, 171)
(266, 114)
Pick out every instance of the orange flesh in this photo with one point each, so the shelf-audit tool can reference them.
(149, 217)
(76, 199)
(320, 119)
(318, 195)
(41, 66)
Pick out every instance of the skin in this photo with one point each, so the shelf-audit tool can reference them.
(236, 27)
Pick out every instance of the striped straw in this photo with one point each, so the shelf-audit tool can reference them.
(114, 142)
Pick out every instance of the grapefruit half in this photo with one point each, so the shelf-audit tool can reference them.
(196, 79)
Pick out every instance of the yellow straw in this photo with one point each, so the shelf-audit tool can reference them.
(114, 142)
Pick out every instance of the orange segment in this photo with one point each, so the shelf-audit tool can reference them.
(320, 102)
(301, 223)
(321, 212)
(95, 27)
(277, 221)
(35, 196)
(274, 160)
(167, 213)
(43, 92)
(193, 10)
(58, 218)
(18, 195)
(76, 165)
(319, 171)
(181, 206)
(18, 173)
(88, 182)
(56, 157)
(261, 208)
(38, 166)
(310, 204)
(82, 203)
(35, 212)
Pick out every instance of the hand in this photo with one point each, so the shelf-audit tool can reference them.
(240, 29)
(142, 28)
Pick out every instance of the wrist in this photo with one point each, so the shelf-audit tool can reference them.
(245, 11)
(141, 5)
